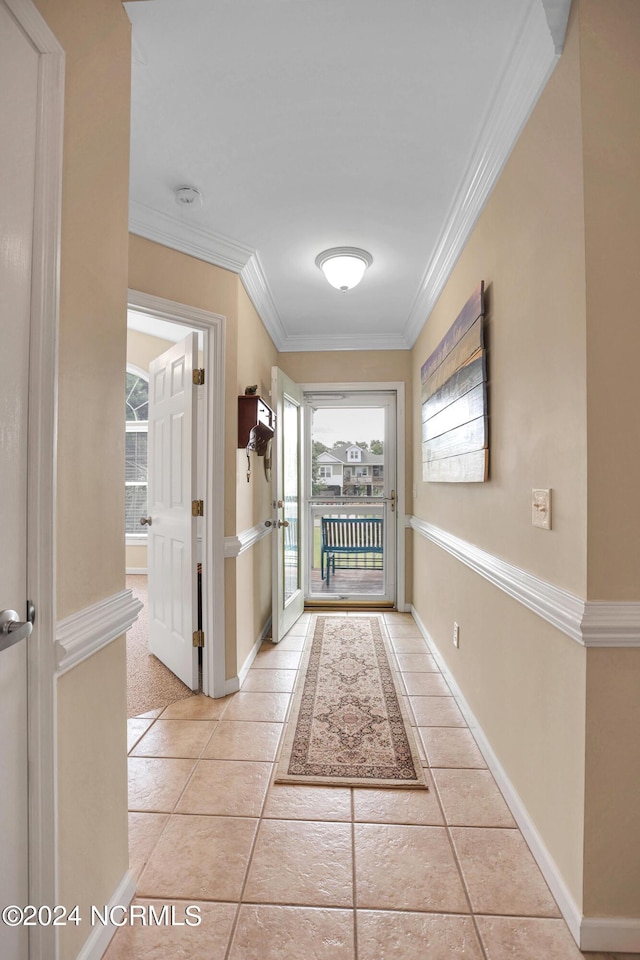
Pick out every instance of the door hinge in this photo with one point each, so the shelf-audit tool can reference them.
(197, 508)
(198, 638)
(198, 377)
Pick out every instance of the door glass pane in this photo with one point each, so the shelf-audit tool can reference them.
(346, 503)
(290, 500)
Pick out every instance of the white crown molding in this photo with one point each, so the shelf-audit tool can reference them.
(299, 343)
(255, 283)
(590, 623)
(187, 238)
(84, 633)
(545, 861)
(238, 544)
(516, 93)
(212, 248)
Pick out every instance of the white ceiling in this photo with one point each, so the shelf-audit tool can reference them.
(308, 124)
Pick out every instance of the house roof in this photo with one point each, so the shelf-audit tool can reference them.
(340, 454)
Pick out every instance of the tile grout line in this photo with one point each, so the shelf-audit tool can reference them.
(451, 843)
(260, 818)
(354, 895)
(458, 867)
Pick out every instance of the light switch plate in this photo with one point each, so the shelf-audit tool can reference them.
(541, 509)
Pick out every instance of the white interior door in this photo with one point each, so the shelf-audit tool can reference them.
(18, 121)
(171, 526)
(288, 551)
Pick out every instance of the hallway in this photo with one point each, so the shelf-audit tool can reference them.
(283, 872)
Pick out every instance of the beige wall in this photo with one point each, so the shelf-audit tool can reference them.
(610, 58)
(528, 247)
(557, 246)
(142, 348)
(612, 838)
(91, 734)
(525, 681)
(610, 62)
(249, 355)
(92, 785)
(256, 356)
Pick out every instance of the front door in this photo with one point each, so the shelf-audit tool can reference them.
(171, 545)
(18, 121)
(288, 551)
(351, 497)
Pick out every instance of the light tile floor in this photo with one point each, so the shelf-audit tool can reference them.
(283, 872)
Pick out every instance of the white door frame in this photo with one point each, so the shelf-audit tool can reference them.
(45, 299)
(398, 387)
(213, 325)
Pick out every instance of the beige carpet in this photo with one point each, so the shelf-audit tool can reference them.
(347, 724)
(150, 685)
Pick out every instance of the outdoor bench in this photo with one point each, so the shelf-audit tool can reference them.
(346, 538)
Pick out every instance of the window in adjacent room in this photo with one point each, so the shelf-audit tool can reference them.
(137, 413)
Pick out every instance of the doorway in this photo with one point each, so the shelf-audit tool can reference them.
(351, 496)
(169, 345)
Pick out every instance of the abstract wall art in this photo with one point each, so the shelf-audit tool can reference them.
(455, 446)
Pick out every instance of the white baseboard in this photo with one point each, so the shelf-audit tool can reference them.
(545, 861)
(235, 683)
(590, 933)
(96, 944)
(137, 571)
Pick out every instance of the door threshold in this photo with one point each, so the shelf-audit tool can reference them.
(349, 604)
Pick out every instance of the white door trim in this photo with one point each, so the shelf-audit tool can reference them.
(398, 387)
(213, 658)
(45, 295)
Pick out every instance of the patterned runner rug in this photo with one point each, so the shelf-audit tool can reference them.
(347, 724)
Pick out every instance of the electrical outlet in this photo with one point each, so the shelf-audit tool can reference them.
(456, 635)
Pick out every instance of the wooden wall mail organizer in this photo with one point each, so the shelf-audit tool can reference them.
(256, 427)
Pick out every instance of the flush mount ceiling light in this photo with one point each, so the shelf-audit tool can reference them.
(344, 266)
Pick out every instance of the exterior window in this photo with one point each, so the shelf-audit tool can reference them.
(354, 454)
(137, 413)
(324, 472)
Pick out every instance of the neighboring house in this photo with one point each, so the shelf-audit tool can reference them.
(349, 470)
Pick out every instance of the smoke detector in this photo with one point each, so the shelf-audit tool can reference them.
(188, 197)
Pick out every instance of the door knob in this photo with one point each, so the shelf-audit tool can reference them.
(145, 520)
(12, 629)
(283, 523)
